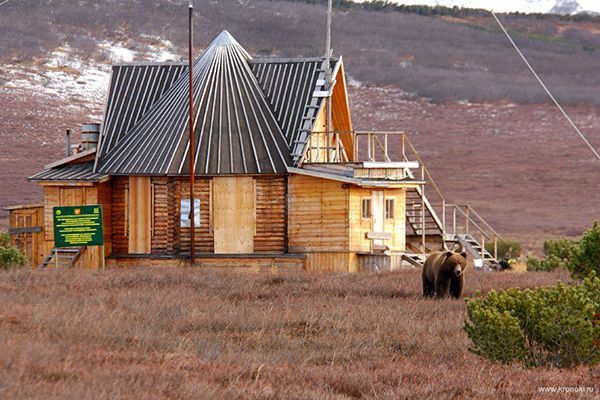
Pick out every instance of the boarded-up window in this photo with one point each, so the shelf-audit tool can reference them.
(389, 208)
(185, 213)
(366, 208)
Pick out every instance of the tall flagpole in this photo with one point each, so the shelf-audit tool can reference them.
(192, 142)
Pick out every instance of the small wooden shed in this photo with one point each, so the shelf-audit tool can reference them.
(273, 186)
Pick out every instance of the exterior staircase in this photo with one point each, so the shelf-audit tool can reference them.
(427, 227)
(67, 257)
(474, 247)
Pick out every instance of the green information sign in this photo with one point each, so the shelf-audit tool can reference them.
(78, 226)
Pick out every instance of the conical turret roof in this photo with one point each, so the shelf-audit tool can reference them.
(235, 129)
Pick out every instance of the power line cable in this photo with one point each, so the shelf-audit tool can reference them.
(587, 142)
(4, 2)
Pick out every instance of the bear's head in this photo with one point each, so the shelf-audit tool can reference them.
(455, 263)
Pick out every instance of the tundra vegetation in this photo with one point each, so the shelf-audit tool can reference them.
(177, 332)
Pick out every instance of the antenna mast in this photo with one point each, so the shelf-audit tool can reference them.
(328, 72)
(192, 141)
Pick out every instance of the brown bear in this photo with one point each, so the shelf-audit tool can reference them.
(443, 271)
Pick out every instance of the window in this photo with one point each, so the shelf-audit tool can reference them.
(366, 208)
(185, 213)
(389, 208)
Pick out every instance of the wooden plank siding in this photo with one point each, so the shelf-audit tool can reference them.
(139, 215)
(318, 215)
(74, 196)
(234, 214)
(360, 226)
(341, 122)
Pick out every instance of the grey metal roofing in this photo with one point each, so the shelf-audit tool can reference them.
(70, 172)
(236, 131)
(294, 88)
(133, 90)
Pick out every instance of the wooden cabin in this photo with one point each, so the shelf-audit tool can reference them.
(273, 187)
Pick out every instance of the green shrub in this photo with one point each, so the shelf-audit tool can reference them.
(550, 327)
(585, 257)
(507, 249)
(546, 264)
(11, 257)
(557, 254)
(560, 248)
(4, 239)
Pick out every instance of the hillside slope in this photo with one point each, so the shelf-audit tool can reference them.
(481, 122)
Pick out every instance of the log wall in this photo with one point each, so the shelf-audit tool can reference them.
(120, 229)
(271, 205)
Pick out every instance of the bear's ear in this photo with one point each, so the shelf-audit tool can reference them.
(464, 254)
(448, 254)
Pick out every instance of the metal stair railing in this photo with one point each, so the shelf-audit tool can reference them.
(470, 221)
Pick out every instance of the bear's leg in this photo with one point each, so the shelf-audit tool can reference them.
(456, 286)
(441, 286)
(428, 288)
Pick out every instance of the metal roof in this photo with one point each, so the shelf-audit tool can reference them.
(288, 86)
(236, 131)
(295, 89)
(133, 90)
(71, 172)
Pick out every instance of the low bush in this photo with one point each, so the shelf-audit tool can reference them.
(579, 257)
(544, 264)
(507, 249)
(550, 327)
(11, 257)
(560, 248)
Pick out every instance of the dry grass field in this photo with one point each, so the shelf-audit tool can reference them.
(215, 333)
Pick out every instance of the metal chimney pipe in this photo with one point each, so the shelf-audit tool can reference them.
(68, 142)
(90, 134)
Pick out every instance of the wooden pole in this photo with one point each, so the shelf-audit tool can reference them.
(482, 247)
(495, 247)
(192, 138)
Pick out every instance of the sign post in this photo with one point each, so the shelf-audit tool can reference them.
(78, 226)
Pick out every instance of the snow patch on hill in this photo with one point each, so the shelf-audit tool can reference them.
(66, 76)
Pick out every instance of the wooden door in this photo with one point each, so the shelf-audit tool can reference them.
(139, 215)
(378, 216)
(24, 240)
(234, 217)
(26, 232)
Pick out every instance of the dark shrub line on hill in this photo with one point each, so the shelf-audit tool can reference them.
(378, 5)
